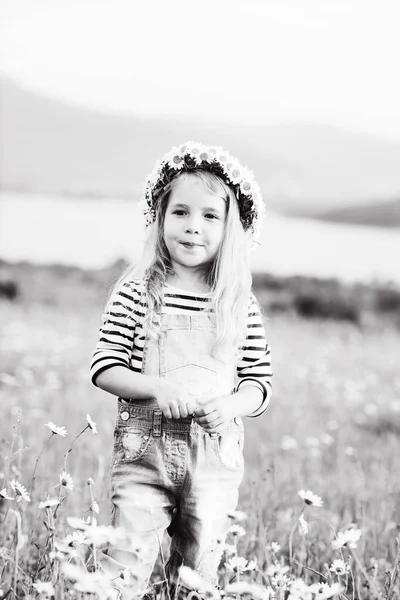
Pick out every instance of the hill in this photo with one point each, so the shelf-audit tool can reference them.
(303, 168)
(386, 214)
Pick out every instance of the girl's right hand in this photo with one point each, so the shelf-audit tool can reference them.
(174, 401)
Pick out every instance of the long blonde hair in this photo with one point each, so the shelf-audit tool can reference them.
(228, 276)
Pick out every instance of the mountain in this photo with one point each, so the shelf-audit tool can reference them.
(303, 168)
(386, 214)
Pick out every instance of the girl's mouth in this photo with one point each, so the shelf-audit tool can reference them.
(190, 245)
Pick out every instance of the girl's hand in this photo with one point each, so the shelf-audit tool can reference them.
(174, 401)
(215, 412)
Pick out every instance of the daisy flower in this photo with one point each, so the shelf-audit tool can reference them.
(310, 498)
(4, 495)
(347, 538)
(237, 564)
(277, 570)
(281, 581)
(237, 531)
(243, 587)
(192, 580)
(339, 567)
(56, 430)
(273, 547)
(20, 491)
(66, 481)
(75, 539)
(92, 424)
(323, 591)
(44, 588)
(49, 503)
(303, 525)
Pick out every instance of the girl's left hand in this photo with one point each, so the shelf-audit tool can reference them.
(214, 413)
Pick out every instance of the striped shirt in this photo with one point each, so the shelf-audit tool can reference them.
(121, 339)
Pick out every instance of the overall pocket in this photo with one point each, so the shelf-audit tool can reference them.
(228, 447)
(130, 444)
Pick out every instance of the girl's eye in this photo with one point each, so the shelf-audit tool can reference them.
(211, 216)
(179, 212)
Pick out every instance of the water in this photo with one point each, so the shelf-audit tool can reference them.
(93, 233)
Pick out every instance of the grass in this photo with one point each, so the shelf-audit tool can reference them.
(333, 428)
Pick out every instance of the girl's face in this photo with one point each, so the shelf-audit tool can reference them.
(194, 224)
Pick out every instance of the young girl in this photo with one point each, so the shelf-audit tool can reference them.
(183, 347)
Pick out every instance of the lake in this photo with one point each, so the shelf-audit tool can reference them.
(93, 233)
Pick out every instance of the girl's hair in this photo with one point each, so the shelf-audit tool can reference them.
(228, 276)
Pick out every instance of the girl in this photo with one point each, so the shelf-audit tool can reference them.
(183, 347)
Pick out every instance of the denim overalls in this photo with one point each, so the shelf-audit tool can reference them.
(171, 473)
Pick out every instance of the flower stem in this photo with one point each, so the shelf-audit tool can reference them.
(37, 462)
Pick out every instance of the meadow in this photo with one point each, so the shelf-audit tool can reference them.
(333, 429)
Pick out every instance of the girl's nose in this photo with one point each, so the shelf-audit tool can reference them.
(192, 226)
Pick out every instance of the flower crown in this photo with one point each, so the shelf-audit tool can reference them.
(193, 156)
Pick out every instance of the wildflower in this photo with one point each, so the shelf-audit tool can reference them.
(310, 498)
(299, 590)
(104, 534)
(75, 539)
(49, 503)
(20, 491)
(273, 547)
(347, 538)
(56, 430)
(44, 588)
(238, 515)
(192, 580)
(339, 567)
(91, 424)
(4, 494)
(243, 587)
(66, 481)
(303, 525)
(276, 570)
(94, 507)
(237, 531)
(84, 581)
(237, 564)
(323, 591)
(126, 575)
(229, 548)
(252, 565)
(281, 581)
(78, 523)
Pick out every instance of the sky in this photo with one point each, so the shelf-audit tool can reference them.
(246, 61)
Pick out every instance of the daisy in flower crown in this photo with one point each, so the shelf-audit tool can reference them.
(183, 346)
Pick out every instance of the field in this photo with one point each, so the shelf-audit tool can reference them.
(333, 428)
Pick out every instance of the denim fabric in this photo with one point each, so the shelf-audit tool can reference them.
(171, 474)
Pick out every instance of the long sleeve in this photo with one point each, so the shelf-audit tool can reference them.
(116, 336)
(254, 367)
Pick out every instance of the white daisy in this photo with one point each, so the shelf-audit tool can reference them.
(91, 423)
(4, 494)
(347, 538)
(310, 498)
(339, 567)
(237, 531)
(237, 564)
(303, 525)
(56, 430)
(49, 503)
(44, 588)
(66, 481)
(20, 491)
